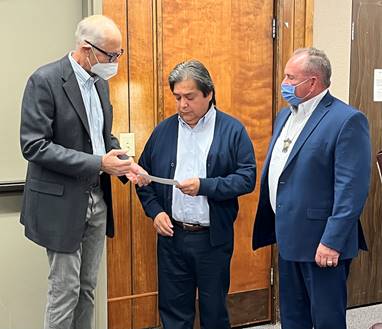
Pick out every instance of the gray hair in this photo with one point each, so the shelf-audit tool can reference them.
(317, 63)
(94, 29)
(196, 71)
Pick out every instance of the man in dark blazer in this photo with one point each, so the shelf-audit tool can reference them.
(66, 137)
(211, 156)
(313, 188)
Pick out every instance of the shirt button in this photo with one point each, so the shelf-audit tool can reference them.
(172, 164)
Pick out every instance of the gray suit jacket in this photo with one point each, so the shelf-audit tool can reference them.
(55, 140)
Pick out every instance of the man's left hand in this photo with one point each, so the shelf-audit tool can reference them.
(190, 186)
(326, 257)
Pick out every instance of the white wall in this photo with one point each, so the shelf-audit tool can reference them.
(23, 272)
(332, 33)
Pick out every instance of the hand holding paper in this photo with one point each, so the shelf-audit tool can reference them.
(135, 175)
(190, 186)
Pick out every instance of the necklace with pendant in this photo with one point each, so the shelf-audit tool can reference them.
(286, 145)
(288, 139)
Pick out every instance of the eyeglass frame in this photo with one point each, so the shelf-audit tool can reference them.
(113, 56)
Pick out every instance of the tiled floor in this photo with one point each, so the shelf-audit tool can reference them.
(357, 318)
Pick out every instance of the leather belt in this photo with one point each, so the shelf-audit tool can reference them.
(190, 227)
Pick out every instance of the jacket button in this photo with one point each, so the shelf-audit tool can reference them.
(172, 164)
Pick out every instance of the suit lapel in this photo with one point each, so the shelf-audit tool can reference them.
(314, 120)
(103, 97)
(102, 91)
(73, 92)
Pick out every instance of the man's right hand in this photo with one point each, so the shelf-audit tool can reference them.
(163, 225)
(112, 165)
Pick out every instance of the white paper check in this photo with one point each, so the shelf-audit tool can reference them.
(160, 180)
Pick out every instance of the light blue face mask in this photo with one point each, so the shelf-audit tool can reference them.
(289, 93)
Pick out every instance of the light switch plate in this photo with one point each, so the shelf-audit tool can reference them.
(127, 143)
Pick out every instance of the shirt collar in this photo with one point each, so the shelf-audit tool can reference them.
(307, 108)
(83, 77)
(207, 118)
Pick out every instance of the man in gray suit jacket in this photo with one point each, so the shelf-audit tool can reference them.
(66, 137)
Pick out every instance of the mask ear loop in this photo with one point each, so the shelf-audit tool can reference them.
(95, 56)
(308, 94)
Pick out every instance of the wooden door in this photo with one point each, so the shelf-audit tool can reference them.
(233, 38)
(365, 284)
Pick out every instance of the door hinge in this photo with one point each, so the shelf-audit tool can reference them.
(274, 30)
(271, 276)
(352, 31)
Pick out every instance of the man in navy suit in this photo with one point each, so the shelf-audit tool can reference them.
(211, 156)
(313, 188)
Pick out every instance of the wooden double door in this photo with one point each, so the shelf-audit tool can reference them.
(234, 39)
(365, 281)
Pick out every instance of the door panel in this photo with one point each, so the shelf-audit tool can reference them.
(119, 266)
(365, 285)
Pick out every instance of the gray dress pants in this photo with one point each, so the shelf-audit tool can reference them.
(73, 276)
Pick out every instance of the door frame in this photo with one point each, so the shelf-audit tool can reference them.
(294, 29)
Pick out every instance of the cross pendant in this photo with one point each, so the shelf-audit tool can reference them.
(286, 145)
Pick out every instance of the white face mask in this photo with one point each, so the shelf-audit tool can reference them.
(104, 70)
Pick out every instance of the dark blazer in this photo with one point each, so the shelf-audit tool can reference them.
(322, 188)
(55, 140)
(231, 171)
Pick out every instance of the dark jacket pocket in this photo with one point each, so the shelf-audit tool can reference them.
(318, 214)
(46, 187)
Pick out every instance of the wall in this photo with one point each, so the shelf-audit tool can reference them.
(23, 274)
(332, 33)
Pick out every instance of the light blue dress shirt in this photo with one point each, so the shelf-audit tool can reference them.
(191, 161)
(92, 104)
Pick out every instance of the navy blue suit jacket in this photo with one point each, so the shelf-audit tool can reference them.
(231, 171)
(322, 188)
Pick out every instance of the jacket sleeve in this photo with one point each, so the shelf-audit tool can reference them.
(352, 178)
(241, 181)
(147, 194)
(36, 134)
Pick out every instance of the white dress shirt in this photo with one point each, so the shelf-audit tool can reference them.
(92, 104)
(291, 130)
(191, 161)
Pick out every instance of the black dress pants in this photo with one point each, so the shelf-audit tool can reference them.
(187, 262)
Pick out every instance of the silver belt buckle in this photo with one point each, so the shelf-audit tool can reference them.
(186, 225)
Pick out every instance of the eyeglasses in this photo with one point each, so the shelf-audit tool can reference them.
(113, 56)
